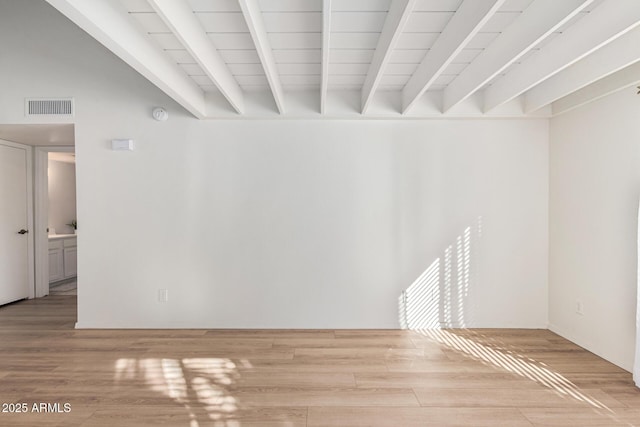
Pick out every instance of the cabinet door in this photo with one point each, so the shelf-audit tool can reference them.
(55, 264)
(70, 262)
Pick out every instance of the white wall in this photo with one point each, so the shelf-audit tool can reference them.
(62, 195)
(311, 224)
(293, 224)
(595, 182)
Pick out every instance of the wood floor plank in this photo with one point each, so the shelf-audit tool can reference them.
(415, 417)
(515, 398)
(306, 396)
(569, 417)
(295, 379)
(422, 365)
(360, 353)
(440, 380)
(184, 416)
(343, 342)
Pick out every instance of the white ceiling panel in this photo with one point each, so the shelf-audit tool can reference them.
(137, 5)
(467, 55)
(193, 69)
(407, 56)
(515, 5)
(252, 80)
(500, 21)
(151, 22)
(482, 40)
(232, 41)
(255, 88)
(360, 5)
(333, 87)
(202, 80)
(437, 5)
(348, 56)
(292, 22)
(223, 22)
(455, 68)
(167, 41)
(300, 80)
(394, 80)
(347, 80)
(214, 5)
(417, 40)
(444, 79)
(299, 69)
(181, 56)
(297, 56)
(290, 5)
(390, 88)
(248, 56)
(354, 40)
(349, 69)
(401, 69)
(295, 40)
(357, 22)
(427, 22)
(246, 69)
(209, 88)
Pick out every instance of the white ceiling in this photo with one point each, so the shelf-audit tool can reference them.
(39, 135)
(432, 57)
(62, 157)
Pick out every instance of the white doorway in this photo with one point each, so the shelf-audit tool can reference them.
(37, 140)
(16, 243)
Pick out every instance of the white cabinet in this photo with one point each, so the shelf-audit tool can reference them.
(62, 258)
(56, 262)
(70, 261)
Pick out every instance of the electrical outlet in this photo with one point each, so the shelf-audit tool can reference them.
(579, 308)
(163, 295)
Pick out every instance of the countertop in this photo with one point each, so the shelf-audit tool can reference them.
(61, 236)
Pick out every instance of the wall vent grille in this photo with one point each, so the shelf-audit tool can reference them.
(62, 107)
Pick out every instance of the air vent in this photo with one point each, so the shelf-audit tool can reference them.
(62, 107)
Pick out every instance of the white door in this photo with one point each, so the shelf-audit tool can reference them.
(14, 246)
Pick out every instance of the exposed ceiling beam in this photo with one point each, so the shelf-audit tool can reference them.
(539, 20)
(253, 17)
(607, 22)
(185, 26)
(397, 17)
(470, 17)
(111, 25)
(326, 43)
(605, 61)
(627, 77)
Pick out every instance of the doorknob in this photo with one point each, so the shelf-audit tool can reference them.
(23, 231)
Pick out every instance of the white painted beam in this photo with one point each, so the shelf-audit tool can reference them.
(253, 17)
(470, 17)
(397, 17)
(607, 22)
(326, 43)
(185, 26)
(538, 21)
(627, 77)
(109, 23)
(607, 60)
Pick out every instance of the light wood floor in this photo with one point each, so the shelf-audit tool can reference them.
(300, 377)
